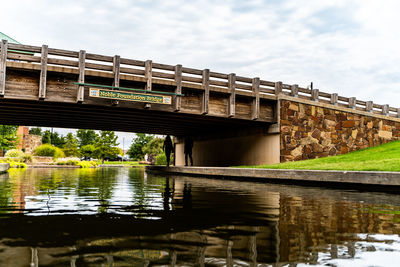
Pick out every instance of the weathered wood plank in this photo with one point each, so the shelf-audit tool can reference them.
(256, 99)
(3, 66)
(352, 102)
(178, 89)
(369, 106)
(81, 79)
(294, 90)
(314, 95)
(148, 75)
(385, 109)
(206, 94)
(117, 73)
(334, 99)
(232, 96)
(43, 72)
(278, 88)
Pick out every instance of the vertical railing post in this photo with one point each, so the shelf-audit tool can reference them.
(117, 73)
(178, 89)
(334, 99)
(81, 79)
(232, 96)
(3, 66)
(43, 72)
(278, 88)
(385, 109)
(148, 66)
(352, 102)
(294, 90)
(206, 93)
(314, 95)
(369, 105)
(256, 98)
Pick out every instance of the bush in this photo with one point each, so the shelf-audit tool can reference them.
(161, 159)
(14, 153)
(48, 150)
(88, 164)
(26, 158)
(68, 161)
(13, 164)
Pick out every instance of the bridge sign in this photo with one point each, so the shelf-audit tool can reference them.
(121, 95)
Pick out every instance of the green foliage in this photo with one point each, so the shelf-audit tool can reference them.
(87, 151)
(36, 131)
(86, 137)
(13, 163)
(48, 150)
(154, 147)
(68, 161)
(161, 159)
(106, 145)
(26, 158)
(88, 164)
(71, 146)
(380, 158)
(55, 139)
(14, 153)
(135, 151)
(8, 137)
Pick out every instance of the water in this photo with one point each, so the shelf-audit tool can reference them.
(123, 217)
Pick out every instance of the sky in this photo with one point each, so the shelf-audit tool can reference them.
(347, 47)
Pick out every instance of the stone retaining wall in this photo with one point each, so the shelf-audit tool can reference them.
(309, 131)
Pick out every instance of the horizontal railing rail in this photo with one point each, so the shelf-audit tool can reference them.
(148, 71)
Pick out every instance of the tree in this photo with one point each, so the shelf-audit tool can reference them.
(87, 151)
(86, 137)
(8, 137)
(36, 131)
(53, 138)
(71, 146)
(154, 147)
(106, 145)
(136, 149)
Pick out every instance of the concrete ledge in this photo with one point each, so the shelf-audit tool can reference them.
(343, 177)
(54, 166)
(4, 167)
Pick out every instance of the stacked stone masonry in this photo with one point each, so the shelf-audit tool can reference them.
(309, 131)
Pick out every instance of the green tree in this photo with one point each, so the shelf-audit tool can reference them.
(87, 151)
(53, 138)
(106, 145)
(8, 137)
(36, 131)
(71, 146)
(136, 149)
(46, 137)
(86, 137)
(154, 147)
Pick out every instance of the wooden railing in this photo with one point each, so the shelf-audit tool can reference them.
(82, 63)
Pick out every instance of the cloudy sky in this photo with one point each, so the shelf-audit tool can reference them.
(348, 47)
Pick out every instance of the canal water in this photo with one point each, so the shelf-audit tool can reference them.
(125, 217)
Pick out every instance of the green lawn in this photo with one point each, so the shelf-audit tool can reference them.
(127, 163)
(381, 158)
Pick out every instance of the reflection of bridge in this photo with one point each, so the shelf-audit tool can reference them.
(248, 120)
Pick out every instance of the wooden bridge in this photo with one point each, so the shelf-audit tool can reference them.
(42, 86)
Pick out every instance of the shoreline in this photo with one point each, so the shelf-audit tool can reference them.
(319, 177)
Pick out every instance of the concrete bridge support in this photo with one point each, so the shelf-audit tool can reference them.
(243, 148)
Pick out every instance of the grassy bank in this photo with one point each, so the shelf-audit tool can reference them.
(126, 163)
(381, 158)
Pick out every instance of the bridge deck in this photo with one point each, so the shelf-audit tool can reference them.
(41, 88)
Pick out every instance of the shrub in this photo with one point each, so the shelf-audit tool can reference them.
(14, 153)
(88, 164)
(26, 158)
(13, 164)
(161, 159)
(68, 161)
(48, 150)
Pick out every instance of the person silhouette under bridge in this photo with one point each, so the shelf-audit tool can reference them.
(168, 147)
(188, 146)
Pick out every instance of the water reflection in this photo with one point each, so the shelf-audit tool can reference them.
(120, 217)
